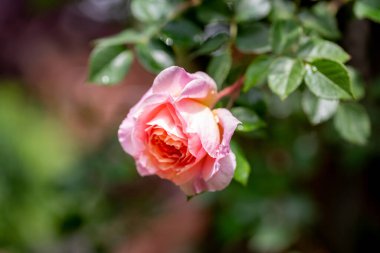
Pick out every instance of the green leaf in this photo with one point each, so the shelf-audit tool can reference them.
(252, 9)
(368, 9)
(317, 109)
(285, 36)
(182, 32)
(250, 120)
(321, 20)
(352, 123)
(285, 75)
(219, 67)
(314, 49)
(243, 169)
(151, 11)
(212, 44)
(357, 83)
(212, 11)
(257, 71)
(154, 56)
(109, 65)
(328, 79)
(124, 37)
(253, 38)
(282, 9)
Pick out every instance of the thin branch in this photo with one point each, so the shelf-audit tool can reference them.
(232, 91)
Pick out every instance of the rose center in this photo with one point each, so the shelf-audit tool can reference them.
(167, 149)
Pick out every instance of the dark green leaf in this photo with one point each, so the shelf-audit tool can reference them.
(285, 36)
(321, 20)
(252, 9)
(357, 83)
(243, 169)
(182, 32)
(219, 67)
(368, 9)
(212, 44)
(285, 75)
(353, 123)
(154, 56)
(328, 79)
(317, 109)
(212, 11)
(253, 38)
(257, 71)
(109, 65)
(250, 120)
(316, 49)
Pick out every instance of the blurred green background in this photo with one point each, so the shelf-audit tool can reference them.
(67, 186)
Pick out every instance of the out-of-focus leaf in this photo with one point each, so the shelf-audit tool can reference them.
(109, 65)
(154, 56)
(182, 32)
(315, 49)
(219, 67)
(252, 9)
(285, 36)
(213, 11)
(250, 120)
(368, 9)
(357, 83)
(151, 11)
(124, 37)
(272, 237)
(328, 79)
(321, 20)
(254, 99)
(352, 123)
(317, 109)
(282, 9)
(257, 71)
(253, 38)
(212, 44)
(243, 169)
(285, 75)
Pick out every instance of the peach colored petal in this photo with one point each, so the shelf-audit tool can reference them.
(129, 135)
(164, 119)
(220, 180)
(228, 123)
(224, 174)
(200, 120)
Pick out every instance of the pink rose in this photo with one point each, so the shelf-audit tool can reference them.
(172, 132)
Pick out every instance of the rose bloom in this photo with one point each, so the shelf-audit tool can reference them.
(173, 133)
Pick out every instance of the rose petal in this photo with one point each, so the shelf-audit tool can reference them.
(132, 128)
(171, 81)
(200, 120)
(164, 119)
(177, 83)
(228, 124)
(200, 90)
(225, 172)
(220, 180)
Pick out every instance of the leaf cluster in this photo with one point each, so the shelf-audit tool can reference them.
(280, 46)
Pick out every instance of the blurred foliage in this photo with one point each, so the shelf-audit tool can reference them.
(293, 67)
(298, 187)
